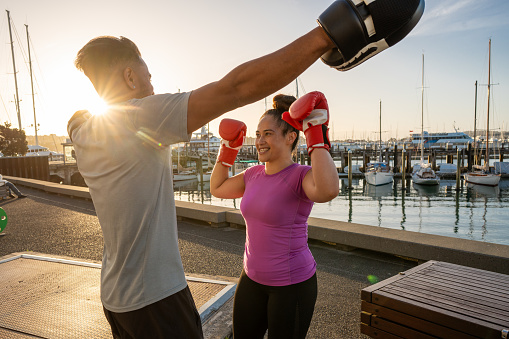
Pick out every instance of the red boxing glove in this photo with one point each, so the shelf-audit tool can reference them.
(310, 114)
(232, 133)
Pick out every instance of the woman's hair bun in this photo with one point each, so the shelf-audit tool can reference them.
(282, 102)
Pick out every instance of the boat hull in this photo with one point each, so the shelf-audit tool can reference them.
(184, 176)
(206, 176)
(425, 181)
(379, 178)
(484, 179)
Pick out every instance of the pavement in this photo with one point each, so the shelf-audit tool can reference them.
(63, 226)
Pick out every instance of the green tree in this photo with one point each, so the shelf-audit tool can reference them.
(13, 142)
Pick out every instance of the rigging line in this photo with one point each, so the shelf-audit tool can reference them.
(2, 25)
(37, 62)
(299, 80)
(25, 56)
(38, 87)
(23, 52)
(5, 108)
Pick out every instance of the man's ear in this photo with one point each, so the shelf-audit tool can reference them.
(129, 77)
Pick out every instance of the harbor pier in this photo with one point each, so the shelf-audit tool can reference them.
(468, 157)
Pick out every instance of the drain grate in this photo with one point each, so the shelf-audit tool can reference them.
(42, 297)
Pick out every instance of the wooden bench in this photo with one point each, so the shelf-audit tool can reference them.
(437, 300)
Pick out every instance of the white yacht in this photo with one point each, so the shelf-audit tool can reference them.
(435, 140)
(37, 150)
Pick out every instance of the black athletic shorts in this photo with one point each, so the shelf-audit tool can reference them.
(173, 317)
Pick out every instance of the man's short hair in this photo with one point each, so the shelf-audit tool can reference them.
(100, 57)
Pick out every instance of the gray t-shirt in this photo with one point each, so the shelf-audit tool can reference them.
(125, 159)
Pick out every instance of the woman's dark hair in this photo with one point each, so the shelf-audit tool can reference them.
(281, 103)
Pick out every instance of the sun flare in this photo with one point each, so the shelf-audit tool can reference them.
(98, 107)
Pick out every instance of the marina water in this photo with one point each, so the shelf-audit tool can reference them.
(472, 212)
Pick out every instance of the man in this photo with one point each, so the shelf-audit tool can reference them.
(124, 158)
(12, 188)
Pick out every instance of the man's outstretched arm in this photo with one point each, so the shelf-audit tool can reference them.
(350, 32)
(256, 79)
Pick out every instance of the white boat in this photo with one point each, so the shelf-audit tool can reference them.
(483, 178)
(180, 173)
(442, 139)
(40, 151)
(206, 176)
(204, 141)
(422, 173)
(482, 175)
(379, 173)
(184, 175)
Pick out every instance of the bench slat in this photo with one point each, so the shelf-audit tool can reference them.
(470, 310)
(413, 322)
(476, 327)
(461, 295)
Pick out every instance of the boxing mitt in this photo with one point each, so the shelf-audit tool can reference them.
(361, 29)
(232, 134)
(310, 114)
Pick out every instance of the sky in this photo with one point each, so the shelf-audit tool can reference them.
(187, 44)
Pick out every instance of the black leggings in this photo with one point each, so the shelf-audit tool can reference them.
(286, 311)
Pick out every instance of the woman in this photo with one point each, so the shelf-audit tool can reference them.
(277, 289)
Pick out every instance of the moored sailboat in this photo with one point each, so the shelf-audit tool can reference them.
(422, 173)
(481, 175)
(379, 173)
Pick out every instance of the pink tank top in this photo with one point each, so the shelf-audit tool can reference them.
(276, 211)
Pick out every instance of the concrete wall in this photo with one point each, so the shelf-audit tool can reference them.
(343, 235)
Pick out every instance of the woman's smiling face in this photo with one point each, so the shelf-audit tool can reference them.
(271, 144)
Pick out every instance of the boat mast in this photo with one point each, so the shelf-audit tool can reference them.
(422, 111)
(380, 130)
(32, 82)
(475, 124)
(14, 67)
(208, 146)
(487, 161)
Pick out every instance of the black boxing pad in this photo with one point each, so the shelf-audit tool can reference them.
(361, 29)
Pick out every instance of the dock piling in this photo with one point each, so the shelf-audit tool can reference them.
(403, 169)
(350, 171)
(458, 169)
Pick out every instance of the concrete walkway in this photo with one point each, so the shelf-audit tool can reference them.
(62, 226)
(60, 220)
